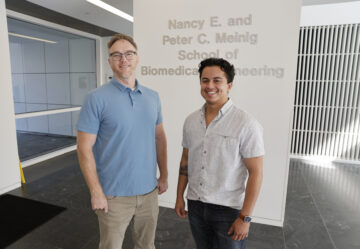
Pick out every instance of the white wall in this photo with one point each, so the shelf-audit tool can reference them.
(270, 32)
(9, 164)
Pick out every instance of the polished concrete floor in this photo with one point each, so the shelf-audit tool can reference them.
(322, 210)
(31, 145)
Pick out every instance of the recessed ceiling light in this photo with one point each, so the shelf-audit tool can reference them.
(30, 37)
(111, 9)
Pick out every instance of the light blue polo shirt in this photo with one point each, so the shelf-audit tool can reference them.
(125, 150)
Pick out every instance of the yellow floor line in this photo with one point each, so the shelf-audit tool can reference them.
(21, 174)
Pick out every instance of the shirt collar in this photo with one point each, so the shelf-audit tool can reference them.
(138, 87)
(223, 109)
(226, 107)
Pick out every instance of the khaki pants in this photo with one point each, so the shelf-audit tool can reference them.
(141, 212)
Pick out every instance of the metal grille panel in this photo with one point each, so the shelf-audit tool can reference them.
(327, 98)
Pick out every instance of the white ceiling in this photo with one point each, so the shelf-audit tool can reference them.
(87, 12)
(315, 2)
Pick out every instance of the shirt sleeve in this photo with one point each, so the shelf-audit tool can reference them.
(159, 112)
(185, 143)
(252, 142)
(89, 117)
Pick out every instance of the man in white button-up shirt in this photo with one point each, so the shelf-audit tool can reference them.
(221, 163)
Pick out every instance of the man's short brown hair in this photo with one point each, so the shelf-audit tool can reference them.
(118, 37)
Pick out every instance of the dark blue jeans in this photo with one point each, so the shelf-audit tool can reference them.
(210, 224)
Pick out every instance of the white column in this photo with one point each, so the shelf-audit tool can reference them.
(259, 39)
(9, 162)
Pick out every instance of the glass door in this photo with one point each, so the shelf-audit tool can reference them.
(52, 71)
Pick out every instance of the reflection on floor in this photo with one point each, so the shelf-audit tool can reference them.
(323, 206)
(31, 145)
(322, 211)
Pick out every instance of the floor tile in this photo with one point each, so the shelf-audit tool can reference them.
(335, 189)
(321, 211)
(265, 237)
(303, 226)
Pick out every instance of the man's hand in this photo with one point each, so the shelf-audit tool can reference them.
(99, 202)
(239, 230)
(180, 208)
(162, 185)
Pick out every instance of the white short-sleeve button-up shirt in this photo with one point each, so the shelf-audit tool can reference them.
(216, 170)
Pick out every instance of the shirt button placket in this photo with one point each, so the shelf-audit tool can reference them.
(203, 164)
(132, 96)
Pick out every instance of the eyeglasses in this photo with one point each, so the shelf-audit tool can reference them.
(129, 55)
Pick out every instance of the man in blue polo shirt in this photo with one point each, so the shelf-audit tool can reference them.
(121, 140)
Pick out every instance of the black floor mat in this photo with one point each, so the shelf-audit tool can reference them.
(19, 216)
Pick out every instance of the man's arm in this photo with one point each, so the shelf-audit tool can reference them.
(182, 183)
(85, 143)
(239, 228)
(161, 155)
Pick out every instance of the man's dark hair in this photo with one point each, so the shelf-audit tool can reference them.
(224, 65)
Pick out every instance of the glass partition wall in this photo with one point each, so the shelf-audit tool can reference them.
(52, 71)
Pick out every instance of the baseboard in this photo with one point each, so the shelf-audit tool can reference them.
(166, 204)
(11, 187)
(270, 222)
